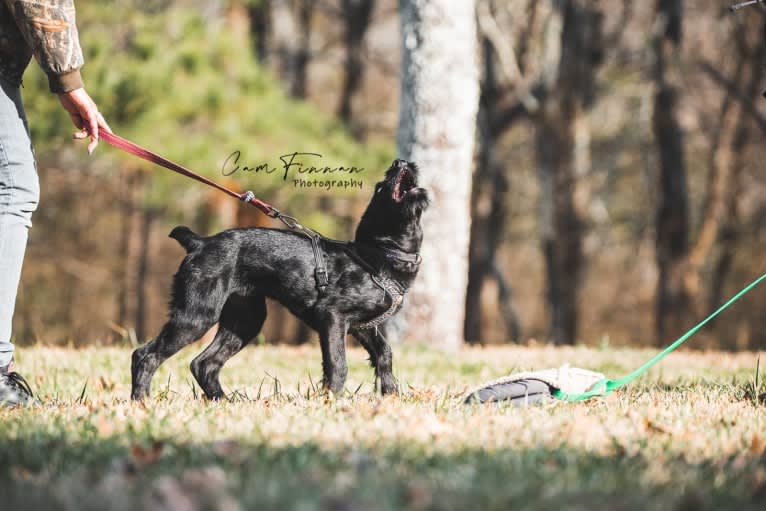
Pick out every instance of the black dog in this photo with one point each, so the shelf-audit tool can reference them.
(226, 278)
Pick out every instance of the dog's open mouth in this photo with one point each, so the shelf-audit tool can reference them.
(405, 183)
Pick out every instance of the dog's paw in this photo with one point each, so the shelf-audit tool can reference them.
(389, 388)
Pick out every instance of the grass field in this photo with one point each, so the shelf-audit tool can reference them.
(689, 435)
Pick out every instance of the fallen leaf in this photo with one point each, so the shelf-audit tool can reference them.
(652, 426)
(757, 445)
(147, 455)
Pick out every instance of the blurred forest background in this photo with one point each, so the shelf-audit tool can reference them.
(617, 191)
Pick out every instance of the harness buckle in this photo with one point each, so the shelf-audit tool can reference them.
(321, 276)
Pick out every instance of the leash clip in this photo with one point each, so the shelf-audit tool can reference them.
(289, 221)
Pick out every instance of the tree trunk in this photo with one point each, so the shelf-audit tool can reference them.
(356, 16)
(302, 54)
(569, 92)
(671, 222)
(123, 276)
(488, 214)
(560, 221)
(142, 274)
(720, 164)
(259, 13)
(752, 51)
(439, 100)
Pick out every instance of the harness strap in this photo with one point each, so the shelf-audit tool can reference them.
(390, 287)
(320, 272)
(360, 260)
(393, 292)
(399, 255)
(320, 268)
(392, 251)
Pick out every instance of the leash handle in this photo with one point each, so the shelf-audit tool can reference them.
(145, 154)
(606, 386)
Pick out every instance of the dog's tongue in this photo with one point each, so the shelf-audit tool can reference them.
(404, 183)
(397, 195)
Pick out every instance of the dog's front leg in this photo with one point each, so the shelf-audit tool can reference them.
(381, 358)
(333, 340)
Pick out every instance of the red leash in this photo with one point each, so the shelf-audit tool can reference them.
(143, 153)
(320, 272)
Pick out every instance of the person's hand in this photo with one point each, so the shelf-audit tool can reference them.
(85, 116)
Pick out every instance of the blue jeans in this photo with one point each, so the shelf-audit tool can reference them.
(19, 194)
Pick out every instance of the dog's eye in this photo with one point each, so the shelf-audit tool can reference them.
(378, 188)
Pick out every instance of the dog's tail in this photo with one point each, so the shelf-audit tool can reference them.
(186, 237)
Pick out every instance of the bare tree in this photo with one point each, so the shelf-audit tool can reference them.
(489, 211)
(260, 14)
(301, 57)
(357, 15)
(148, 216)
(567, 91)
(671, 222)
(439, 100)
(554, 89)
(125, 279)
(721, 215)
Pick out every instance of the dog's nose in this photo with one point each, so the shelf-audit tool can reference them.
(400, 163)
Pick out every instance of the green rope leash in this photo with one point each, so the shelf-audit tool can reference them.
(606, 386)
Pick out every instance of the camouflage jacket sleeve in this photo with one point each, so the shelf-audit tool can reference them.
(49, 29)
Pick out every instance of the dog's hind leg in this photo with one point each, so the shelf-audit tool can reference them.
(176, 334)
(241, 320)
(332, 338)
(190, 317)
(381, 358)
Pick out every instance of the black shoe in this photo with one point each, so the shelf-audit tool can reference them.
(14, 389)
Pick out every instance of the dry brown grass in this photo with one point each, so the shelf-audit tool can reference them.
(693, 432)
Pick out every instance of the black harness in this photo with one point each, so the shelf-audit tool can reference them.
(390, 287)
(390, 251)
(394, 292)
(395, 253)
(320, 269)
(393, 289)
